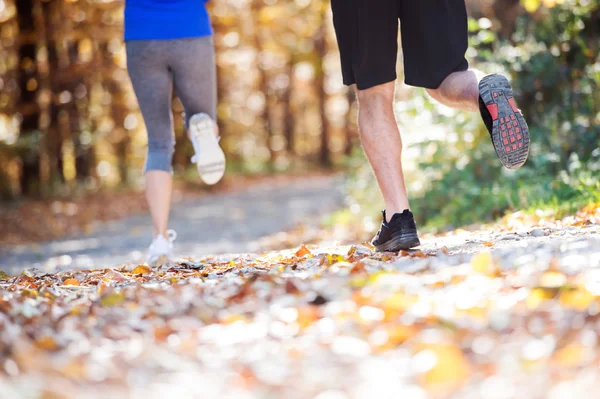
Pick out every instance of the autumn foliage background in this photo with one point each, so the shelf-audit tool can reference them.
(69, 122)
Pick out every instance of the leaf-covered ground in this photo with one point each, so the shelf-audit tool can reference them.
(486, 314)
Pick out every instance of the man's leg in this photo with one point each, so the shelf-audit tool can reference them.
(382, 143)
(434, 40)
(459, 90)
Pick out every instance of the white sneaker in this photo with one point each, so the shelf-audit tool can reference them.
(161, 249)
(209, 158)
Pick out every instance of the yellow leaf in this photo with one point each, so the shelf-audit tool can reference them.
(569, 356)
(352, 251)
(539, 295)
(483, 263)
(71, 281)
(141, 270)
(398, 302)
(450, 370)
(3, 275)
(112, 299)
(579, 299)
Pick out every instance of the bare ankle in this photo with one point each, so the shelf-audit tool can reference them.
(391, 211)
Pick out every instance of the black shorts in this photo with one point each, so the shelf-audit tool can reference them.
(434, 40)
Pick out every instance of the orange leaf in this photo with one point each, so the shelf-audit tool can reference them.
(303, 251)
(358, 268)
(47, 343)
(71, 281)
(488, 244)
(141, 270)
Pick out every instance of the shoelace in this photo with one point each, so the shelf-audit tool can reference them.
(194, 158)
(171, 236)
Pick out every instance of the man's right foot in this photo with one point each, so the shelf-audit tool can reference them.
(397, 234)
(504, 121)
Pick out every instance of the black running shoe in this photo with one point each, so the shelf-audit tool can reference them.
(399, 233)
(504, 121)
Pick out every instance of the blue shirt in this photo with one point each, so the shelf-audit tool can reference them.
(166, 19)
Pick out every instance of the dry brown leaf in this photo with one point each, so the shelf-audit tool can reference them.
(291, 288)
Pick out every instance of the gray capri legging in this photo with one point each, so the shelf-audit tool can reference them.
(155, 67)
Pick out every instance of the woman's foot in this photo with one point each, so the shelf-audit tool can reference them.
(161, 249)
(209, 158)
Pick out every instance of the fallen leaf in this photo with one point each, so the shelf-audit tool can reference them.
(569, 356)
(47, 343)
(537, 296)
(358, 268)
(488, 244)
(291, 288)
(3, 275)
(142, 269)
(112, 299)
(303, 251)
(450, 370)
(71, 281)
(577, 298)
(483, 263)
(113, 275)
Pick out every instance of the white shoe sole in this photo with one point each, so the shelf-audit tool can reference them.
(210, 158)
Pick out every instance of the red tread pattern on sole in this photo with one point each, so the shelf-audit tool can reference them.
(513, 105)
(493, 109)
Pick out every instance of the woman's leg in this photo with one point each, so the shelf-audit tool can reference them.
(152, 83)
(194, 75)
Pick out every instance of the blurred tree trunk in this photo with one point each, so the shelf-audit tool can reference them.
(288, 123)
(263, 80)
(321, 49)
(27, 106)
(507, 11)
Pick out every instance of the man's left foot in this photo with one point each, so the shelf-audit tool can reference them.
(508, 129)
(397, 234)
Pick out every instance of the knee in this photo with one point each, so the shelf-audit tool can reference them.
(376, 102)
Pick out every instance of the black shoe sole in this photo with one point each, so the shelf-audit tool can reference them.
(510, 133)
(399, 243)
